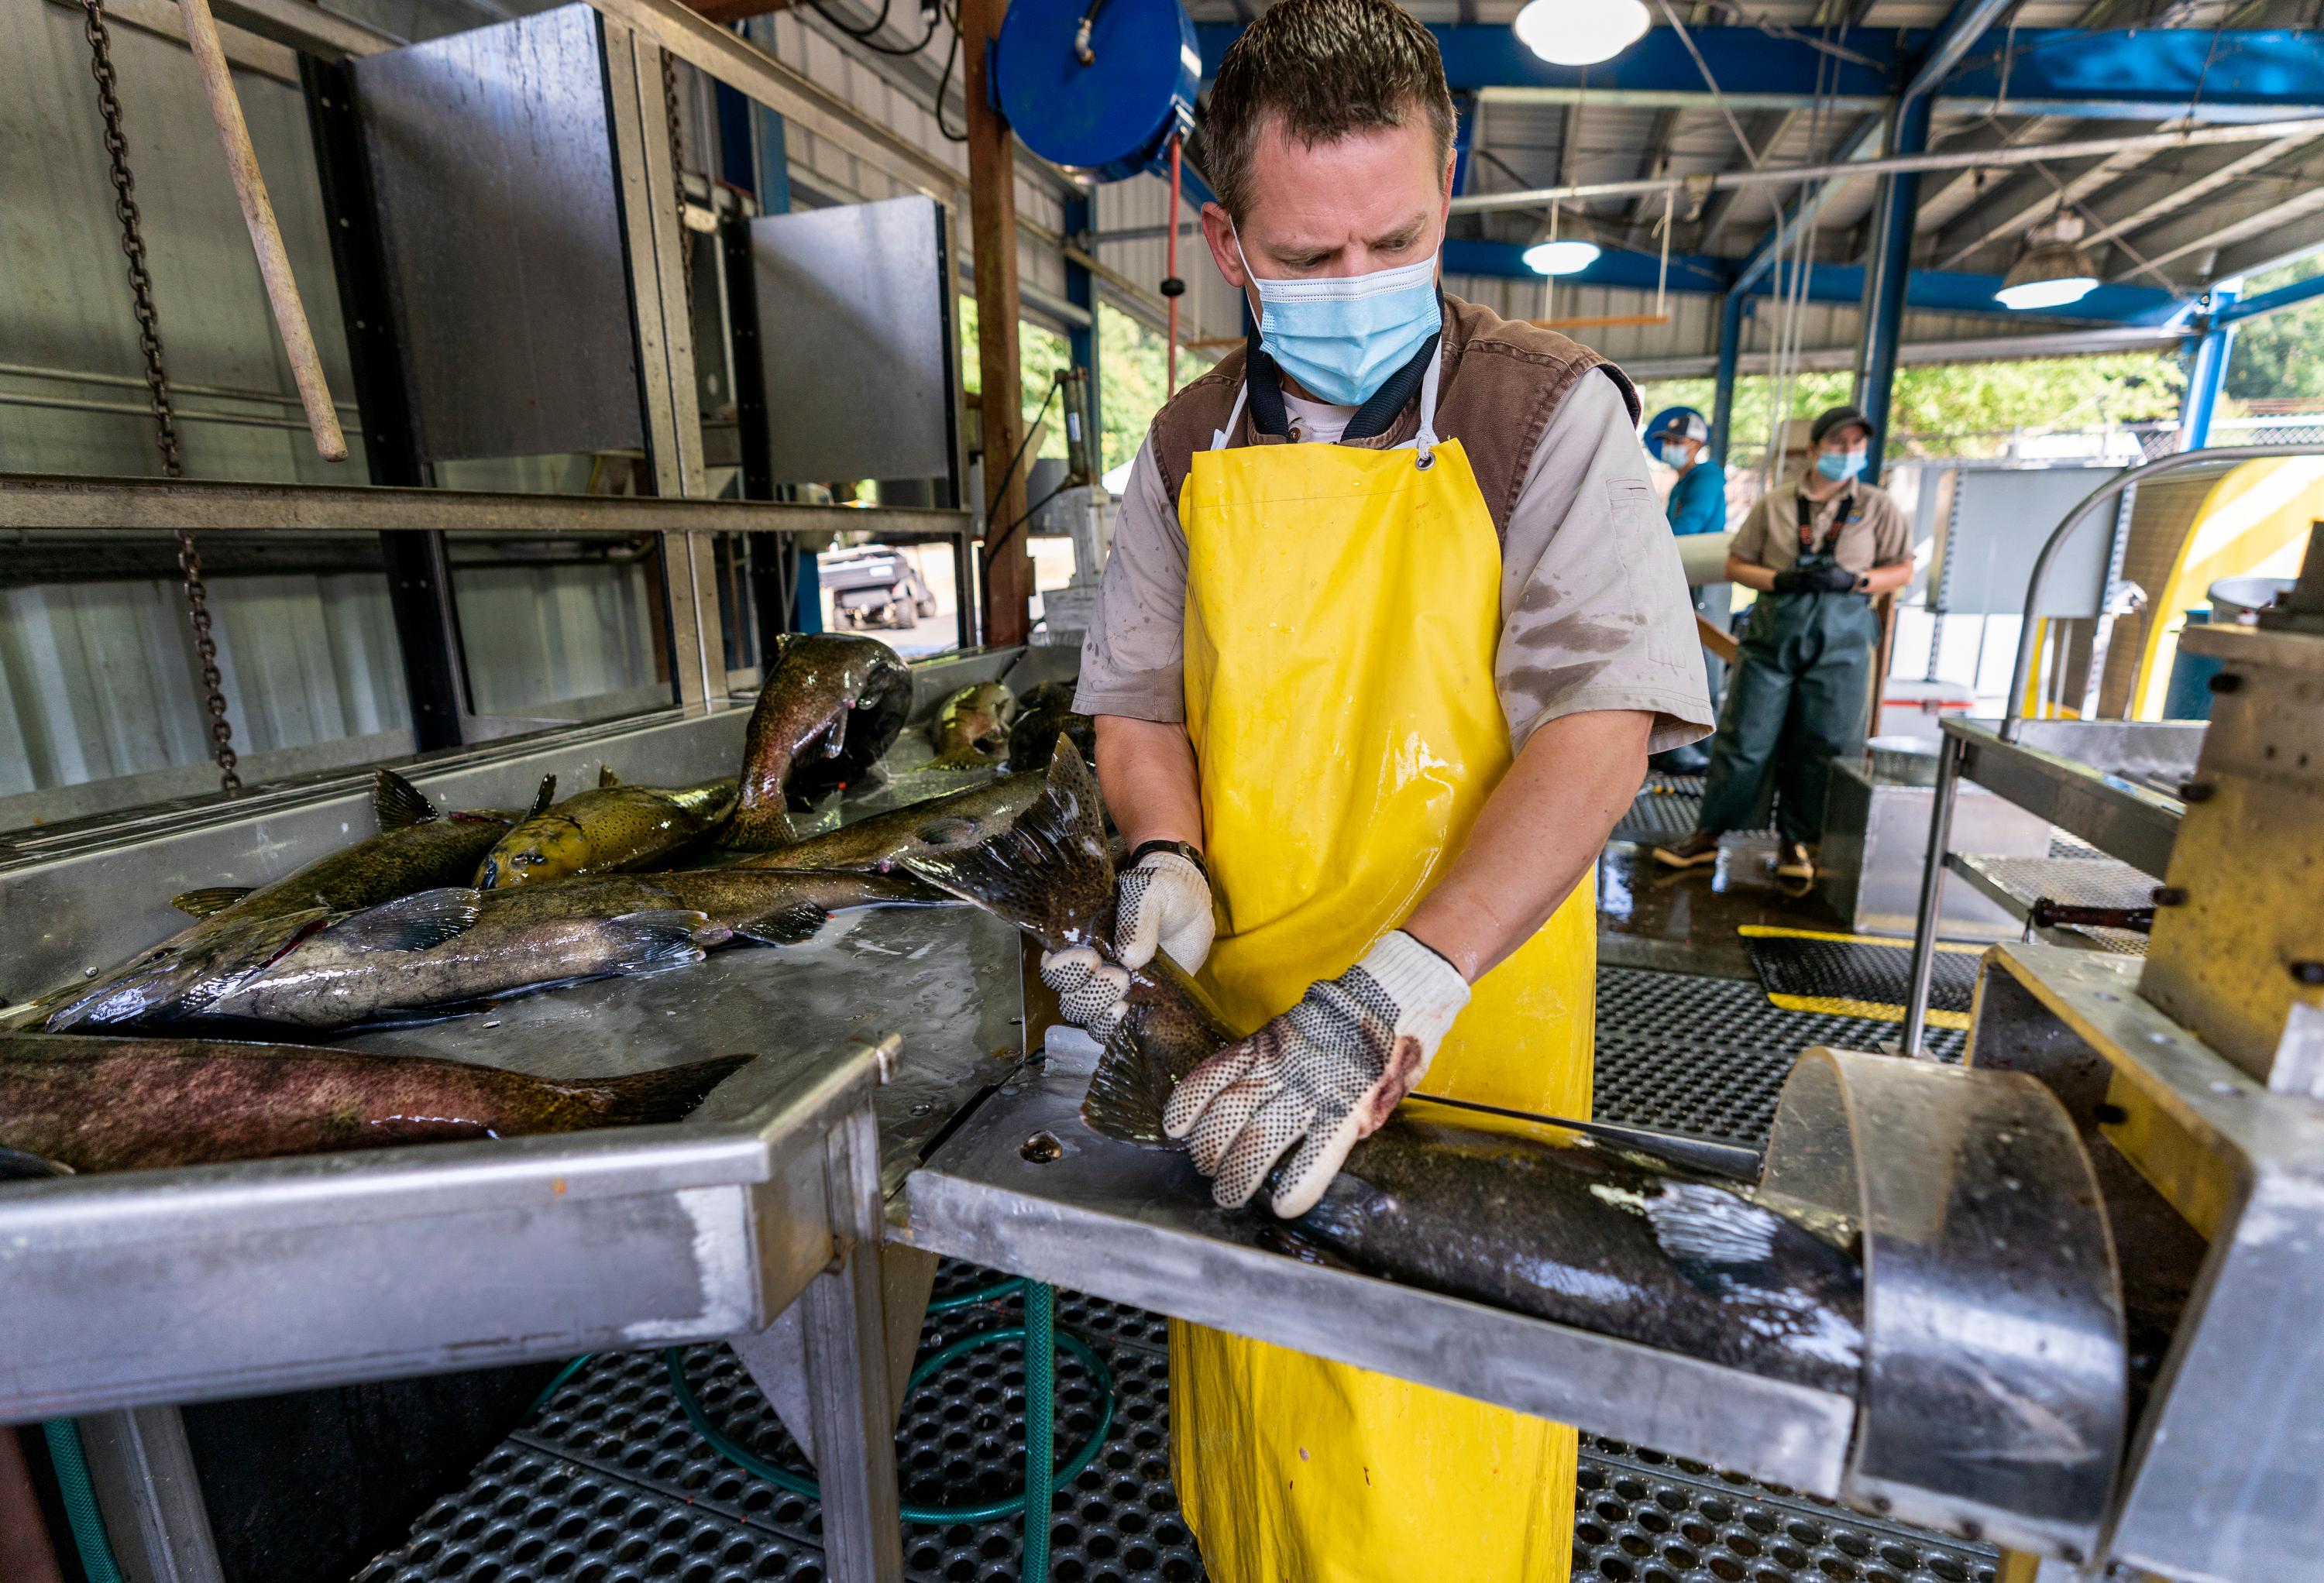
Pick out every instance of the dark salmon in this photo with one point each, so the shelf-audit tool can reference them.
(831, 706)
(879, 844)
(1540, 1220)
(91, 1104)
(416, 849)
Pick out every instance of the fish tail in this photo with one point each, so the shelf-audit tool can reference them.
(757, 826)
(1049, 872)
(649, 1096)
(1126, 1094)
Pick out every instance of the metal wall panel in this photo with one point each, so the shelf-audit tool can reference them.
(2000, 519)
(98, 679)
(64, 295)
(493, 166)
(852, 329)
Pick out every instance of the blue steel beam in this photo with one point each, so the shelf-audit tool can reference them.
(1699, 274)
(1081, 290)
(2206, 374)
(1889, 254)
(2235, 311)
(2131, 74)
(1862, 143)
(1722, 389)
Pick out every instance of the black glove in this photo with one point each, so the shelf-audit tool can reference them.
(1819, 577)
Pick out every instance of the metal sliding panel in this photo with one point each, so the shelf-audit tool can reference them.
(851, 323)
(662, 313)
(502, 233)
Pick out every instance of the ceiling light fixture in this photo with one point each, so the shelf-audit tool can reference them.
(1561, 258)
(2053, 271)
(1580, 33)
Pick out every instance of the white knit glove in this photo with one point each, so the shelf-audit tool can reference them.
(1163, 903)
(1323, 1075)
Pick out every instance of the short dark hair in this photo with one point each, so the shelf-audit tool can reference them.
(1328, 68)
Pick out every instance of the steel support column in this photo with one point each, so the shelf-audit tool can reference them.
(1730, 351)
(2207, 373)
(1887, 274)
(1081, 290)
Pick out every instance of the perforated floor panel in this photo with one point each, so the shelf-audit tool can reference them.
(609, 1484)
(1664, 809)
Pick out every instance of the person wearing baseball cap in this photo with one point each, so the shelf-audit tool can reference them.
(1679, 438)
(1818, 549)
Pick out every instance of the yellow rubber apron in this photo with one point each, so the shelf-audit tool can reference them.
(1342, 612)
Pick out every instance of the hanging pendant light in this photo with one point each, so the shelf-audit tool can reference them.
(1561, 258)
(2053, 271)
(1580, 33)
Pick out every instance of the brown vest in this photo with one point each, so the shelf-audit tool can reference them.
(1502, 379)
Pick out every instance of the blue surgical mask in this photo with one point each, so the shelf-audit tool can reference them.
(1673, 454)
(1837, 466)
(1343, 336)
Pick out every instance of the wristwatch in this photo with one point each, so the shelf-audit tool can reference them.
(1185, 850)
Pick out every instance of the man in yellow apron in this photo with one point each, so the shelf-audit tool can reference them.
(1390, 623)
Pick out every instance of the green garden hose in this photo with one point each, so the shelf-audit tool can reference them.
(80, 1497)
(1042, 1476)
(1041, 1425)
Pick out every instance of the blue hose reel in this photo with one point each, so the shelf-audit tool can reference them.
(1099, 86)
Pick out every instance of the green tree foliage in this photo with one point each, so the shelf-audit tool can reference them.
(1041, 352)
(1132, 360)
(2282, 354)
(1959, 409)
(1132, 376)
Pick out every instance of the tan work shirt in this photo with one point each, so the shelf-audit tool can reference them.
(1860, 527)
(1595, 610)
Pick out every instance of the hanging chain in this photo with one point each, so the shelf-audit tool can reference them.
(157, 388)
(677, 179)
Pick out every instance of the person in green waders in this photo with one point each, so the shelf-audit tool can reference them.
(1818, 549)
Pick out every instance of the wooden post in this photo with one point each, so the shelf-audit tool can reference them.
(992, 231)
(265, 237)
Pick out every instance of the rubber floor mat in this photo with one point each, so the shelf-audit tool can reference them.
(1858, 975)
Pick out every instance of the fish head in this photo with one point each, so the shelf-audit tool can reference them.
(1038, 731)
(547, 846)
(1047, 869)
(181, 976)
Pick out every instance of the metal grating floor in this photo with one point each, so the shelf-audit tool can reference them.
(1664, 809)
(1707, 1056)
(610, 1485)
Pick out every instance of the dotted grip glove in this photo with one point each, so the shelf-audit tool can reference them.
(1320, 1076)
(1162, 903)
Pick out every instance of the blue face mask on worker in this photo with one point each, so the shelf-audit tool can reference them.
(1342, 337)
(1839, 465)
(1675, 454)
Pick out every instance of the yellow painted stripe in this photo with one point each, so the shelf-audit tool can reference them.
(1770, 931)
(1877, 1011)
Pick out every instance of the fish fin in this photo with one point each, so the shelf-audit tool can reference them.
(662, 937)
(411, 923)
(23, 1166)
(605, 777)
(1125, 1099)
(216, 898)
(671, 1094)
(1703, 1223)
(787, 926)
(758, 827)
(1049, 872)
(544, 796)
(399, 803)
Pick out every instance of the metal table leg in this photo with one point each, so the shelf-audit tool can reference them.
(851, 1403)
(1932, 879)
(149, 1495)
